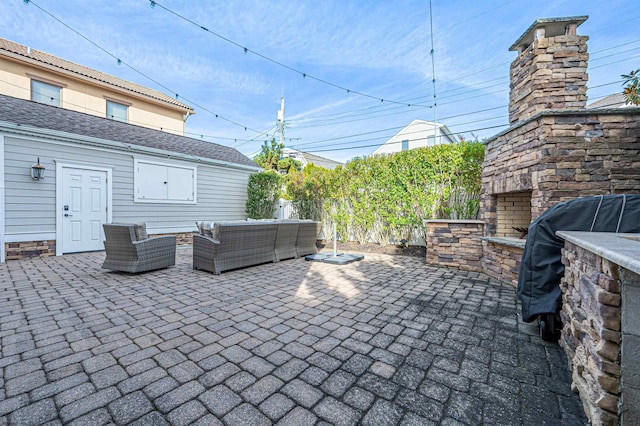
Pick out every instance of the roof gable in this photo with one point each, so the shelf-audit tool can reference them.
(29, 113)
(14, 50)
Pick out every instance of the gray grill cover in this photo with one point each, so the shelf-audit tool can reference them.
(541, 268)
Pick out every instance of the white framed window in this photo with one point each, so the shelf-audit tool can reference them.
(405, 144)
(45, 93)
(118, 112)
(156, 182)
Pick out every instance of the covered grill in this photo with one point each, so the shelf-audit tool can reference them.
(541, 268)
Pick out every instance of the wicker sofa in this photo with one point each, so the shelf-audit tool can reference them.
(308, 232)
(129, 249)
(221, 246)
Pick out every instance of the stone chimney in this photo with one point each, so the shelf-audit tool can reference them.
(550, 72)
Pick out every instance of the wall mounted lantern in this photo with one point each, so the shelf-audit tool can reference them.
(37, 171)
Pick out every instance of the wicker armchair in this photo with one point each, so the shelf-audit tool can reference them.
(127, 252)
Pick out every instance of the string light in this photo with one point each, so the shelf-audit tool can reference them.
(267, 58)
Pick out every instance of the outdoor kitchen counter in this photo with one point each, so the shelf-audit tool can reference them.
(621, 249)
(601, 315)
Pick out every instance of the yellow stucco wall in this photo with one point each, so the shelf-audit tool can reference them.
(82, 96)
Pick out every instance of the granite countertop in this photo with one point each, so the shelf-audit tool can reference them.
(507, 241)
(622, 249)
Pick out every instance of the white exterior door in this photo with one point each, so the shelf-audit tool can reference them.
(84, 209)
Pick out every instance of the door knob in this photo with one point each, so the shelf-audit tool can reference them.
(67, 215)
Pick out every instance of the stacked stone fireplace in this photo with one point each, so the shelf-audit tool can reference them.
(520, 175)
(555, 149)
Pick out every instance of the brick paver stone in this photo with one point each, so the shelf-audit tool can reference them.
(388, 340)
(276, 406)
(245, 414)
(130, 407)
(383, 413)
(220, 400)
(335, 412)
(187, 413)
(299, 417)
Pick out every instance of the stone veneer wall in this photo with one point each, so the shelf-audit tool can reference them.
(630, 367)
(550, 74)
(455, 243)
(47, 248)
(501, 261)
(24, 249)
(591, 335)
(561, 155)
(182, 238)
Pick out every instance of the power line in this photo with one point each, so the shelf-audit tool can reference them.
(322, 122)
(616, 25)
(378, 107)
(615, 62)
(443, 118)
(357, 112)
(121, 62)
(276, 62)
(614, 47)
(416, 98)
(374, 145)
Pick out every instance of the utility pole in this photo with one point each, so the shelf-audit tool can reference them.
(280, 122)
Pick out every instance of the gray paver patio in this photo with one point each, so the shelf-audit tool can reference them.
(384, 341)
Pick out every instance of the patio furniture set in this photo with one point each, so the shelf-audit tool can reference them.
(217, 246)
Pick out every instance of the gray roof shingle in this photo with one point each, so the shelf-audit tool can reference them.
(29, 113)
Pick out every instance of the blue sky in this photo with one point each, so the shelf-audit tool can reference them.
(378, 48)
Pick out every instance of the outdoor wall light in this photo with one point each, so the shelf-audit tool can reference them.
(37, 171)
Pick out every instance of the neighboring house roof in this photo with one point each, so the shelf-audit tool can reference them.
(29, 113)
(415, 133)
(17, 51)
(617, 100)
(306, 158)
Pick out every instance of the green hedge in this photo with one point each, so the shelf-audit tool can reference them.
(262, 193)
(386, 198)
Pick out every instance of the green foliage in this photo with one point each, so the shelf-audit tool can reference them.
(263, 191)
(269, 155)
(289, 165)
(631, 90)
(308, 189)
(387, 197)
(270, 158)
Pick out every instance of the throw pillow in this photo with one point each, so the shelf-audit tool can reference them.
(141, 231)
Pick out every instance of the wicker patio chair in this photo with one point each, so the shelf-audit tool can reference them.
(127, 252)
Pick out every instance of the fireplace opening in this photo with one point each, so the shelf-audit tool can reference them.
(513, 214)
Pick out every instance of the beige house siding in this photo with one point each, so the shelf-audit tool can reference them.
(89, 96)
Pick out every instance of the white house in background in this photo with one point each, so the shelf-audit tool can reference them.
(99, 170)
(617, 100)
(305, 158)
(418, 134)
